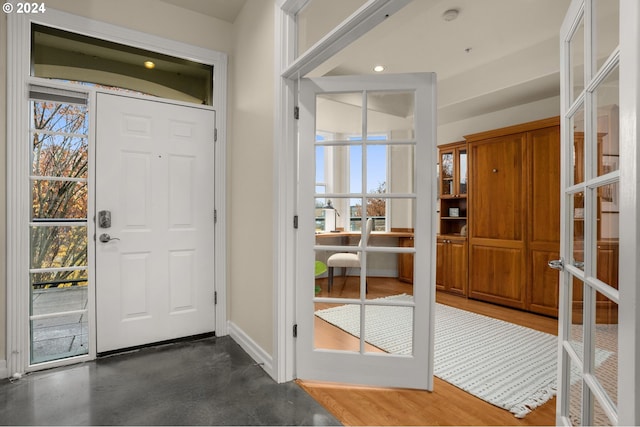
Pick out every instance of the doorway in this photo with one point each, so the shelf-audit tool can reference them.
(19, 166)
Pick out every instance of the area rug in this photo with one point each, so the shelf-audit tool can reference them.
(507, 365)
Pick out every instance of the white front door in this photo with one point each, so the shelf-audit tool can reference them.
(155, 258)
(366, 153)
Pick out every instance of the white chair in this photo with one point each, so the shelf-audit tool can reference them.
(347, 260)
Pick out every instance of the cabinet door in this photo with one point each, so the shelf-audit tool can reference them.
(458, 266)
(447, 173)
(544, 224)
(441, 270)
(496, 236)
(461, 172)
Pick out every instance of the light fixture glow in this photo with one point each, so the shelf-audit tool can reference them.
(150, 65)
(378, 68)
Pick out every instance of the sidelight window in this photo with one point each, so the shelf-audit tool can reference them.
(58, 224)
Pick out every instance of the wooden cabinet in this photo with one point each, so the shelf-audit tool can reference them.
(451, 252)
(451, 265)
(514, 221)
(453, 188)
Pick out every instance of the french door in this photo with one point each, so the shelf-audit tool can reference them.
(591, 226)
(366, 161)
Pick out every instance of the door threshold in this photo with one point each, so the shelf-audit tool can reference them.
(156, 344)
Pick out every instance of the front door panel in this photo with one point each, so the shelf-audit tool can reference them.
(154, 258)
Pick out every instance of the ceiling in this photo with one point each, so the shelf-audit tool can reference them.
(495, 55)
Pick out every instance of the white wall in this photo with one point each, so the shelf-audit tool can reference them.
(452, 132)
(251, 176)
(155, 17)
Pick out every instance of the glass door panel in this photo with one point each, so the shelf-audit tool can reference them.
(365, 150)
(462, 171)
(590, 241)
(58, 230)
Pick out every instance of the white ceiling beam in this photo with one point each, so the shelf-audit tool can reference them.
(359, 23)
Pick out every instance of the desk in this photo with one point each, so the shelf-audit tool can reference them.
(402, 239)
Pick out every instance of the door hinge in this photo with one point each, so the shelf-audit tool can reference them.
(296, 112)
(215, 216)
(215, 298)
(295, 221)
(215, 134)
(295, 330)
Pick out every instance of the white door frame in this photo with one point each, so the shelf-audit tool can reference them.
(18, 78)
(288, 68)
(629, 274)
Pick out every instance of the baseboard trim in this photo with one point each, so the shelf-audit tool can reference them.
(256, 352)
(4, 372)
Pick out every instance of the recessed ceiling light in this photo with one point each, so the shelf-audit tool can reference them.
(378, 68)
(149, 65)
(451, 14)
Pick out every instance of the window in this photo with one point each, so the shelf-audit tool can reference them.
(58, 224)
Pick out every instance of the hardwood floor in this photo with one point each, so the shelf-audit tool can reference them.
(446, 405)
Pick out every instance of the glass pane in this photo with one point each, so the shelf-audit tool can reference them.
(377, 176)
(337, 272)
(608, 124)
(339, 116)
(462, 171)
(577, 124)
(55, 247)
(60, 156)
(59, 199)
(577, 242)
(58, 292)
(341, 216)
(447, 165)
(390, 116)
(576, 64)
(58, 337)
(607, 28)
(606, 345)
(599, 415)
(70, 119)
(319, 17)
(576, 334)
(384, 276)
(575, 394)
(337, 327)
(608, 235)
(339, 168)
(116, 66)
(390, 168)
(390, 328)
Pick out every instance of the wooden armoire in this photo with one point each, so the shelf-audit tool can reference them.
(514, 227)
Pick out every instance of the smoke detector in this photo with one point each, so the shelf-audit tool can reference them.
(450, 15)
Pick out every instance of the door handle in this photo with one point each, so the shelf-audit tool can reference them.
(105, 238)
(556, 264)
(579, 264)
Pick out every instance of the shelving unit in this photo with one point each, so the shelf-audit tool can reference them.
(451, 269)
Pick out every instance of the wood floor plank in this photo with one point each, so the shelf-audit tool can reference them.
(447, 404)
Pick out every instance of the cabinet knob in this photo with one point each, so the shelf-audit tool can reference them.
(494, 170)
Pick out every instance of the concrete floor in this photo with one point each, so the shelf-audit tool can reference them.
(205, 382)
